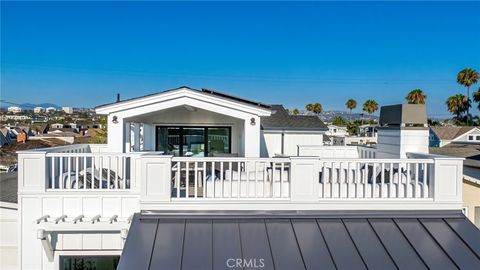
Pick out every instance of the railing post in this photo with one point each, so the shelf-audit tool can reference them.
(32, 171)
(304, 175)
(446, 185)
(155, 178)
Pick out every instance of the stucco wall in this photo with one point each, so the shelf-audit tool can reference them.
(471, 199)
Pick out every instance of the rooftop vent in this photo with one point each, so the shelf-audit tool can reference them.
(404, 115)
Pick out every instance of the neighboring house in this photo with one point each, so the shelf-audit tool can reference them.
(67, 110)
(367, 130)
(14, 117)
(336, 131)
(5, 136)
(282, 132)
(50, 109)
(471, 175)
(443, 135)
(39, 119)
(56, 125)
(38, 110)
(14, 109)
(191, 179)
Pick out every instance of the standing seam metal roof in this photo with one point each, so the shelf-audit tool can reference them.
(418, 240)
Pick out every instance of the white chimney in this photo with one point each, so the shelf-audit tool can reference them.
(403, 129)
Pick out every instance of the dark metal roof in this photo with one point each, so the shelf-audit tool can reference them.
(281, 119)
(302, 240)
(205, 91)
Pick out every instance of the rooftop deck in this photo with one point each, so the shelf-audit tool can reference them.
(321, 177)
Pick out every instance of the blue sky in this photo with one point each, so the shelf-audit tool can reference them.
(82, 54)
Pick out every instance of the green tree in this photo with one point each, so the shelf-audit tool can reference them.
(467, 77)
(416, 96)
(370, 106)
(309, 107)
(338, 121)
(476, 97)
(351, 104)
(457, 104)
(295, 111)
(317, 108)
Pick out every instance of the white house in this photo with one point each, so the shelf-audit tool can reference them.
(50, 109)
(38, 110)
(14, 109)
(336, 131)
(444, 135)
(67, 110)
(190, 178)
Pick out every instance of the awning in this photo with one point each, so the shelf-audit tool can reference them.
(302, 240)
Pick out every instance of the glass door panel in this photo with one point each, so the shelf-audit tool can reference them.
(168, 140)
(193, 142)
(218, 140)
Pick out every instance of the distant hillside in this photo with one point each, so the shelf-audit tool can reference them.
(328, 116)
(30, 106)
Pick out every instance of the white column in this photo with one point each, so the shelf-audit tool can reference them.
(136, 137)
(447, 180)
(155, 178)
(116, 134)
(304, 175)
(128, 137)
(252, 136)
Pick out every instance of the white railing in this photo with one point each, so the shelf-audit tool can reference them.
(420, 181)
(366, 152)
(230, 178)
(87, 171)
(375, 178)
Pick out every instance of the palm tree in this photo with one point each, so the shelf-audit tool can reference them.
(317, 108)
(295, 111)
(467, 77)
(351, 104)
(416, 96)
(476, 97)
(457, 104)
(370, 106)
(309, 107)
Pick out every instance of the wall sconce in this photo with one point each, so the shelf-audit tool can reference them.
(114, 119)
(252, 121)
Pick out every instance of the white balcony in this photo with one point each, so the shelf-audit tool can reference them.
(322, 177)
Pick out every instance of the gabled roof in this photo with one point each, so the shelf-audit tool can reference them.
(203, 91)
(302, 240)
(450, 132)
(281, 119)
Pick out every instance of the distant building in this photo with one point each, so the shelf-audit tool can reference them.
(14, 109)
(50, 109)
(441, 136)
(56, 125)
(336, 131)
(68, 110)
(39, 119)
(14, 117)
(38, 110)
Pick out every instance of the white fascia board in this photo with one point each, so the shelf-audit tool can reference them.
(182, 92)
(466, 133)
(293, 131)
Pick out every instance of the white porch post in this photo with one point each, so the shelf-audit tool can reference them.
(116, 134)
(136, 137)
(252, 136)
(128, 138)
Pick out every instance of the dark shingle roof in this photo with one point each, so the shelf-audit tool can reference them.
(8, 187)
(303, 240)
(450, 132)
(281, 119)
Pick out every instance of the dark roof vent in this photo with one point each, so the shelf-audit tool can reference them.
(118, 97)
(404, 115)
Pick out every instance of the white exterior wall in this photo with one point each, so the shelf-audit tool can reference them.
(183, 117)
(272, 142)
(395, 143)
(8, 236)
(292, 141)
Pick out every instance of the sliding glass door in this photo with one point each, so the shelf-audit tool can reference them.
(193, 141)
